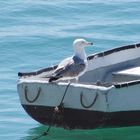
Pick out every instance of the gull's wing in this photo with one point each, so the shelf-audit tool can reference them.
(69, 68)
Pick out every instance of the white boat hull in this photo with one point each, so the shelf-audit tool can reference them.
(96, 101)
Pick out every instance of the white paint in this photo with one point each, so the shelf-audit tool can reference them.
(119, 99)
(114, 58)
(132, 71)
(124, 99)
(51, 94)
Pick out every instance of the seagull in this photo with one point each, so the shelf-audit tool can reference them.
(72, 67)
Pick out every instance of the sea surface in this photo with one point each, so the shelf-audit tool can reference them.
(36, 34)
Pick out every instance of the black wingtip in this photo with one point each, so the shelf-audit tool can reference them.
(19, 74)
(53, 79)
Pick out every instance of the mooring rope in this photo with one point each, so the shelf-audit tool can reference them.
(48, 129)
(55, 112)
(61, 103)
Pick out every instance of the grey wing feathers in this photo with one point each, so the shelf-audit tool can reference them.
(71, 67)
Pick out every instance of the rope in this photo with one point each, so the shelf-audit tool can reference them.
(106, 98)
(88, 106)
(55, 112)
(49, 128)
(33, 100)
(38, 137)
(61, 103)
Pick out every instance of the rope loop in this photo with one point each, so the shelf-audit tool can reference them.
(88, 106)
(33, 100)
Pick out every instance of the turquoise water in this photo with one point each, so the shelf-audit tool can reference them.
(37, 34)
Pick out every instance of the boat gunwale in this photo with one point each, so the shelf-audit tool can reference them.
(89, 85)
(114, 50)
(127, 84)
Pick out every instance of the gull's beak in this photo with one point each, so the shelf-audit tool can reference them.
(89, 43)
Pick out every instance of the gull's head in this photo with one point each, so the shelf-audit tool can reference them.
(81, 43)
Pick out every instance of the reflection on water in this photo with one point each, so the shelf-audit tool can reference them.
(127, 133)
